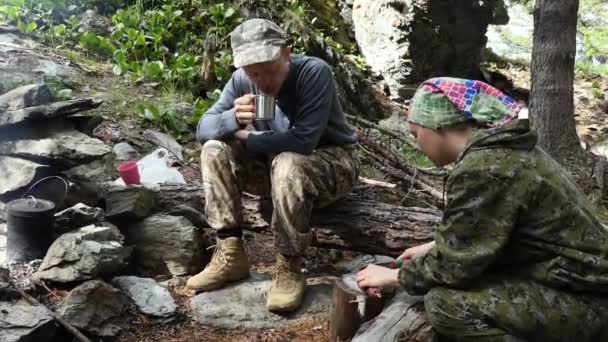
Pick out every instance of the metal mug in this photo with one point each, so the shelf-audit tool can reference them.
(264, 107)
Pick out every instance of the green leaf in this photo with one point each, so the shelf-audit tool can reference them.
(141, 40)
(229, 12)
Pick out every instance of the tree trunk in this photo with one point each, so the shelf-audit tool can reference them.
(553, 53)
(351, 223)
(552, 103)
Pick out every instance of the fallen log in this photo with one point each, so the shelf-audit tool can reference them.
(403, 319)
(351, 223)
(57, 109)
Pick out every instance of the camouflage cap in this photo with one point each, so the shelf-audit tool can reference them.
(256, 41)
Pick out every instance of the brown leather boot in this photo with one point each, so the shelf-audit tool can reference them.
(228, 263)
(288, 285)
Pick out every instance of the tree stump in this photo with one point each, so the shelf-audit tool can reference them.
(350, 307)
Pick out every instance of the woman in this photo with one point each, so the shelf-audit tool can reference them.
(520, 253)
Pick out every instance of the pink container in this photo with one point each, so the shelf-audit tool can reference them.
(129, 172)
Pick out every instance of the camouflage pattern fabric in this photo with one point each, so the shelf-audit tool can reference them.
(256, 41)
(299, 183)
(512, 310)
(515, 213)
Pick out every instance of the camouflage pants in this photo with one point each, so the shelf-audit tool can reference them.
(296, 183)
(516, 310)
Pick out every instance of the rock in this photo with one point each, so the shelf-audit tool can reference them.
(174, 282)
(21, 322)
(166, 244)
(408, 41)
(90, 21)
(25, 96)
(69, 147)
(247, 308)
(604, 105)
(380, 33)
(133, 202)
(21, 273)
(98, 171)
(77, 216)
(22, 63)
(183, 109)
(95, 307)
(165, 141)
(3, 252)
(601, 148)
(89, 252)
(149, 297)
(18, 173)
(124, 152)
(360, 262)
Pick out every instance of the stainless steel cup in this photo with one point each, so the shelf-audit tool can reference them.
(264, 107)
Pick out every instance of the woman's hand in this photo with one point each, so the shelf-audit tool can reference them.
(378, 276)
(417, 251)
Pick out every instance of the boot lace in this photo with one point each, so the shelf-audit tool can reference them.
(218, 258)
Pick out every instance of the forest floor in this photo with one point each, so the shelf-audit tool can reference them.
(121, 99)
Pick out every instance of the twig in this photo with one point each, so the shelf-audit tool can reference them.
(373, 182)
(61, 321)
(388, 132)
(43, 284)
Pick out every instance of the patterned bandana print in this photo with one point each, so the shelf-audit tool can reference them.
(444, 101)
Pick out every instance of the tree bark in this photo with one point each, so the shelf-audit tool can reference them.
(552, 102)
(350, 307)
(403, 319)
(351, 223)
(553, 55)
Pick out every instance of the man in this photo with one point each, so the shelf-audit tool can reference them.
(306, 153)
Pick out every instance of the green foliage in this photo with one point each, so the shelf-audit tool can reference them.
(60, 91)
(415, 156)
(596, 91)
(590, 70)
(174, 123)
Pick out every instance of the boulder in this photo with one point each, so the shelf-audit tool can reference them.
(247, 306)
(131, 203)
(165, 141)
(166, 245)
(77, 216)
(98, 171)
(382, 38)
(90, 21)
(21, 322)
(149, 297)
(123, 152)
(69, 147)
(25, 96)
(89, 252)
(18, 173)
(95, 307)
(3, 252)
(407, 41)
(22, 63)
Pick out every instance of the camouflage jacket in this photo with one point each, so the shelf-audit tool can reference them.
(513, 211)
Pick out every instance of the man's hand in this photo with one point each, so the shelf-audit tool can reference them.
(417, 251)
(241, 135)
(378, 276)
(244, 108)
